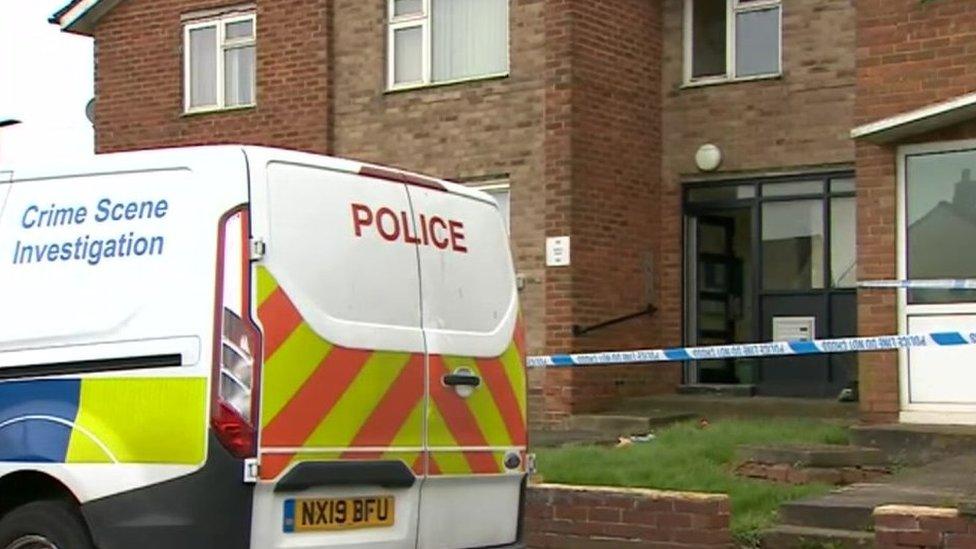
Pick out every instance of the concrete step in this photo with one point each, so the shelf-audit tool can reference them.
(943, 483)
(713, 407)
(828, 513)
(801, 537)
(554, 439)
(814, 455)
(616, 425)
(917, 444)
(717, 389)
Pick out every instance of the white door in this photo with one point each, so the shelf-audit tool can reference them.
(476, 430)
(937, 226)
(343, 386)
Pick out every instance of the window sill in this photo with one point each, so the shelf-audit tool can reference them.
(412, 87)
(722, 81)
(214, 110)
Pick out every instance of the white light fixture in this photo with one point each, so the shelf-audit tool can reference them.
(708, 158)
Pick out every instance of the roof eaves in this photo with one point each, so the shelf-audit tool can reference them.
(56, 16)
(80, 16)
(922, 120)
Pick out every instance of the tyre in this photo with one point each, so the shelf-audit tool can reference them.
(44, 525)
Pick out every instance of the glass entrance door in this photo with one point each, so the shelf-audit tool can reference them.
(722, 297)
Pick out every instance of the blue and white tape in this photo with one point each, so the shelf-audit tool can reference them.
(748, 350)
(929, 284)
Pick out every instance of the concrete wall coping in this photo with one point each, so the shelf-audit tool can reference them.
(916, 511)
(643, 492)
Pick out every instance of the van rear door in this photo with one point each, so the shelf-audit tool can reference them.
(342, 402)
(476, 422)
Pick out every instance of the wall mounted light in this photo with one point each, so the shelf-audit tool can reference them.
(708, 158)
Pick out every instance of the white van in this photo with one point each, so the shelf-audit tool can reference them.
(231, 346)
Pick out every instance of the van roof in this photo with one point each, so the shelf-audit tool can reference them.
(187, 156)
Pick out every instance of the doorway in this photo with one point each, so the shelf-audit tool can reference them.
(936, 212)
(771, 259)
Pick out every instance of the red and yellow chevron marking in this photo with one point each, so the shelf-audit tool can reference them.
(324, 402)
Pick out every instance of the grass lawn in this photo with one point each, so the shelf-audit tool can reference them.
(684, 457)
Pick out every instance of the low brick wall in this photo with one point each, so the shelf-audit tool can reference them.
(906, 526)
(592, 517)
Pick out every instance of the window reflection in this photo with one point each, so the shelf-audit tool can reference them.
(940, 199)
(793, 245)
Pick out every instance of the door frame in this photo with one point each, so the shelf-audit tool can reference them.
(915, 412)
(691, 209)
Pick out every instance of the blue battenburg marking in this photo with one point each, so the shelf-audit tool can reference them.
(677, 354)
(949, 338)
(24, 436)
(803, 347)
(289, 520)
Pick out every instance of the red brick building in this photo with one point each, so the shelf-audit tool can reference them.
(698, 154)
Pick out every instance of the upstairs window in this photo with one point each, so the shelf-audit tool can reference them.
(436, 41)
(219, 66)
(732, 40)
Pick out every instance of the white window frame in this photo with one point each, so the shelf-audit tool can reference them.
(423, 20)
(220, 23)
(732, 8)
(395, 23)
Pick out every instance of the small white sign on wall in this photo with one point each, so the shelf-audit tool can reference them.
(794, 328)
(557, 251)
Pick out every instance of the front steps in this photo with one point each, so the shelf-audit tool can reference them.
(916, 444)
(805, 537)
(944, 483)
(718, 389)
(625, 424)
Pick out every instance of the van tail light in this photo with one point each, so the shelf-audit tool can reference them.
(237, 341)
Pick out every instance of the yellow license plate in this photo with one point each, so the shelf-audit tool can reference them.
(320, 514)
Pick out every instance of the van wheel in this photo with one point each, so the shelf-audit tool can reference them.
(44, 525)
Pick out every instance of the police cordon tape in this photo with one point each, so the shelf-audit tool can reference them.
(922, 284)
(749, 350)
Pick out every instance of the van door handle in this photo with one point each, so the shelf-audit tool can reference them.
(455, 380)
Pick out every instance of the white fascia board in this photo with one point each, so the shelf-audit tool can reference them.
(81, 19)
(925, 119)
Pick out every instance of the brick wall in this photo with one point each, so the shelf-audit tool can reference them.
(615, 163)
(596, 517)
(602, 173)
(139, 79)
(798, 121)
(905, 526)
(909, 54)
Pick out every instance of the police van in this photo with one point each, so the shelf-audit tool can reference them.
(231, 347)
